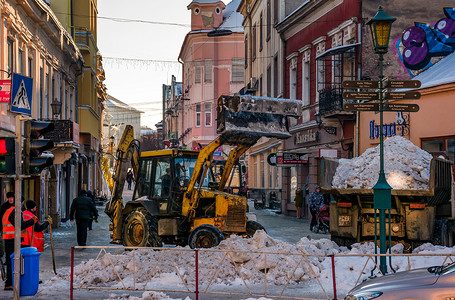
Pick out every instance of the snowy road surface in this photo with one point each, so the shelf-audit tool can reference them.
(285, 235)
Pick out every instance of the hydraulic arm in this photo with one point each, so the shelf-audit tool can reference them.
(127, 151)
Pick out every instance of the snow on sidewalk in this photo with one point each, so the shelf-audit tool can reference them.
(236, 262)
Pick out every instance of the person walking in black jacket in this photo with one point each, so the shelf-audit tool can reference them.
(82, 207)
(92, 217)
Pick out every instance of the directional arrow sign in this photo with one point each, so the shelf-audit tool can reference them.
(398, 84)
(361, 106)
(401, 107)
(361, 95)
(402, 95)
(360, 84)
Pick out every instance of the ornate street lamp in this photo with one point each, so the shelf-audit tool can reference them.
(56, 107)
(380, 26)
(111, 144)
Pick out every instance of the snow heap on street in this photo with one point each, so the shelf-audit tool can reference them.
(407, 167)
(237, 261)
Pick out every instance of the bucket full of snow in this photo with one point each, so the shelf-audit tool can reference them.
(29, 279)
(256, 116)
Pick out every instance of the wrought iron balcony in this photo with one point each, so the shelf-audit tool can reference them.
(331, 100)
(64, 131)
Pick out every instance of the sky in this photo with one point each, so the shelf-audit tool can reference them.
(140, 54)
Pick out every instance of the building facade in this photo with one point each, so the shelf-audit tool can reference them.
(40, 48)
(117, 115)
(80, 19)
(264, 55)
(322, 44)
(327, 42)
(212, 62)
(172, 109)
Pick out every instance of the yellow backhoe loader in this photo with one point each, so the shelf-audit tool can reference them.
(176, 199)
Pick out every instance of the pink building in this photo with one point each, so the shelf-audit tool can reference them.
(212, 56)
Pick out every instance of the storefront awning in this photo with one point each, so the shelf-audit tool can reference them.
(337, 50)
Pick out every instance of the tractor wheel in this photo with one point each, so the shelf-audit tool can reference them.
(205, 236)
(252, 227)
(140, 229)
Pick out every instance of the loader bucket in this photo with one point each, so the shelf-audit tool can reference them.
(256, 116)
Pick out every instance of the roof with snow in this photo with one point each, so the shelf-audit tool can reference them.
(440, 73)
(232, 20)
(205, 1)
(114, 102)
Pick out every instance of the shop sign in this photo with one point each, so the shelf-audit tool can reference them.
(308, 137)
(399, 127)
(291, 158)
(5, 91)
(271, 159)
(331, 153)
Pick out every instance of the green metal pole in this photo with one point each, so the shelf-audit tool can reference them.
(382, 231)
(382, 184)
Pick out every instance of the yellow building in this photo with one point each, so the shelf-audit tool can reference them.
(80, 18)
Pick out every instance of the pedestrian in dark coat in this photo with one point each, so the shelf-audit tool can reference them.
(315, 201)
(82, 207)
(92, 217)
(129, 178)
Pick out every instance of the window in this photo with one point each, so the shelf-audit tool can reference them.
(261, 24)
(260, 86)
(320, 82)
(275, 76)
(46, 97)
(269, 81)
(198, 115)
(10, 56)
(20, 60)
(208, 114)
(293, 171)
(145, 174)
(275, 11)
(30, 67)
(66, 105)
(52, 93)
(269, 20)
(262, 171)
(293, 78)
(207, 71)
(238, 72)
(306, 83)
(253, 40)
(197, 72)
(440, 145)
(41, 93)
(246, 51)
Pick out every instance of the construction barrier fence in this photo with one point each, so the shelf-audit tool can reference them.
(279, 275)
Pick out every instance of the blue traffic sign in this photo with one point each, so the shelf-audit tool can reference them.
(21, 94)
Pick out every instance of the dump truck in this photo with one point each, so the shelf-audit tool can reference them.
(416, 217)
(177, 199)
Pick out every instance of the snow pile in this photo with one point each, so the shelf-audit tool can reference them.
(145, 296)
(407, 167)
(236, 262)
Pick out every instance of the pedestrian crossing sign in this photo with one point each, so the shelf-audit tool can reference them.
(21, 94)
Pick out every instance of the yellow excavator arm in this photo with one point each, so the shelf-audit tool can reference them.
(127, 152)
(241, 122)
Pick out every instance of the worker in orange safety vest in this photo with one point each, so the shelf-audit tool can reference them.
(36, 231)
(8, 237)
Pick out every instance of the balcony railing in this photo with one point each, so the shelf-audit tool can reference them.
(64, 131)
(84, 39)
(331, 100)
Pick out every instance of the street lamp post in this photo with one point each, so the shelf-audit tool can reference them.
(380, 26)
